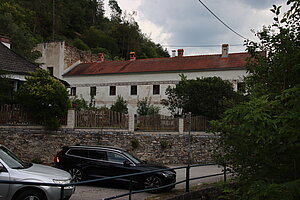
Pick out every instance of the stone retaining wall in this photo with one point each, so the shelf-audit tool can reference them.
(35, 143)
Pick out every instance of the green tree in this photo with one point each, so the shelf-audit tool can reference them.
(259, 139)
(116, 11)
(144, 107)
(79, 44)
(79, 104)
(45, 97)
(30, 22)
(208, 97)
(14, 23)
(120, 105)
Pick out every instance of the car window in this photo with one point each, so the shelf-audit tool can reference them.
(11, 159)
(99, 155)
(78, 152)
(115, 157)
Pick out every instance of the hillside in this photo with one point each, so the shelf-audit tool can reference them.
(80, 23)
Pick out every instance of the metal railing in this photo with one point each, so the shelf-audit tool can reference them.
(131, 192)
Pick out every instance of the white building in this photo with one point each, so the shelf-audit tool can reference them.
(102, 81)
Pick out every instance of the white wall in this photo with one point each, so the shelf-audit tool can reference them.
(144, 84)
(52, 56)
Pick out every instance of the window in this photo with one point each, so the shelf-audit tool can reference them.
(99, 155)
(133, 90)
(241, 87)
(78, 152)
(114, 157)
(93, 91)
(112, 90)
(156, 89)
(73, 91)
(50, 70)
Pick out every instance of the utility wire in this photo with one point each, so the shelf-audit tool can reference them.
(222, 21)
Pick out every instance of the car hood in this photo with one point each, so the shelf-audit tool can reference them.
(46, 171)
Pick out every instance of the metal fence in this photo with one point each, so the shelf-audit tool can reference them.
(103, 118)
(131, 191)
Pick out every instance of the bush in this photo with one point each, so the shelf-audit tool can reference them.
(144, 107)
(45, 97)
(120, 105)
(135, 143)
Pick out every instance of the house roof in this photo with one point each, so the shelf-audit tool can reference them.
(12, 62)
(153, 65)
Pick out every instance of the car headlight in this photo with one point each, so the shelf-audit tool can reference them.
(168, 174)
(57, 181)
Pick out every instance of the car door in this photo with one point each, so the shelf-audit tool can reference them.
(116, 165)
(4, 187)
(97, 165)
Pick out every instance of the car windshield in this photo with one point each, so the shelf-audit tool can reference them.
(11, 159)
(134, 159)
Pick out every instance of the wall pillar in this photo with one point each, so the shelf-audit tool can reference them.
(131, 122)
(181, 125)
(71, 119)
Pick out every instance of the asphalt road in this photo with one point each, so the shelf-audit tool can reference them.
(98, 192)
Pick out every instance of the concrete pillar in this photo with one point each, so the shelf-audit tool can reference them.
(181, 125)
(71, 119)
(131, 122)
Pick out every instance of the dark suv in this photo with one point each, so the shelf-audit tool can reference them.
(93, 162)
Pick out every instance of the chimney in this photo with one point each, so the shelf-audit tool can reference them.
(100, 57)
(173, 53)
(5, 41)
(132, 56)
(225, 50)
(180, 52)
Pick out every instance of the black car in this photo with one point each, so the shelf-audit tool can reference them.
(93, 162)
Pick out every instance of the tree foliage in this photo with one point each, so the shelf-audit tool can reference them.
(79, 22)
(144, 107)
(45, 97)
(275, 62)
(120, 105)
(260, 138)
(201, 96)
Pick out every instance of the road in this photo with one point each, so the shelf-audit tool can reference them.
(94, 192)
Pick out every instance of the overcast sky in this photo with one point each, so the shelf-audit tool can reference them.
(184, 23)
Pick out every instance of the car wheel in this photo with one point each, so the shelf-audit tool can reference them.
(152, 182)
(31, 195)
(76, 175)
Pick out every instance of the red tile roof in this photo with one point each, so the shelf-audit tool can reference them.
(175, 64)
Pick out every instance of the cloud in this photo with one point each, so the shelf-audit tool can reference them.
(190, 23)
(262, 4)
(187, 22)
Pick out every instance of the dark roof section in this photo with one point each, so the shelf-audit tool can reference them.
(12, 62)
(153, 65)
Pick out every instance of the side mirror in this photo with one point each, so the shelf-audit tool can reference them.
(127, 163)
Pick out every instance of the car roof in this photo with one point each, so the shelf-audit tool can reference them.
(97, 147)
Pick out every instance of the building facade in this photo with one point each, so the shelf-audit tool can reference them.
(101, 82)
